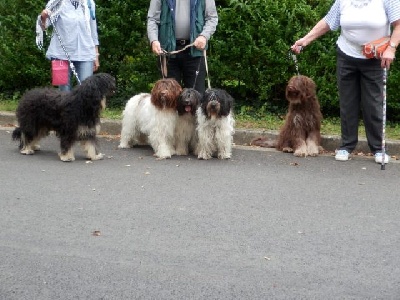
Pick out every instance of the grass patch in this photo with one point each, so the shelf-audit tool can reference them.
(248, 120)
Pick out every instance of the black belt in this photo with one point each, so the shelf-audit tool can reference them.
(182, 42)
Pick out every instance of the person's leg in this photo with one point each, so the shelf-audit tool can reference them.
(174, 69)
(372, 102)
(194, 73)
(84, 69)
(348, 79)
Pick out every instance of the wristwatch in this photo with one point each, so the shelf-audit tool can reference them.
(393, 45)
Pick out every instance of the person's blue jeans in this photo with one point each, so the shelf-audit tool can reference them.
(84, 69)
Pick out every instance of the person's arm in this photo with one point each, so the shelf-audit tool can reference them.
(211, 22)
(390, 52)
(153, 20)
(318, 30)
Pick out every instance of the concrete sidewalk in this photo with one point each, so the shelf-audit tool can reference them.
(242, 136)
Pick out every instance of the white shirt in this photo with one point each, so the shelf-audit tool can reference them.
(361, 21)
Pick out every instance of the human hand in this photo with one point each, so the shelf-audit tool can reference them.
(156, 47)
(298, 46)
(43, 16)
(388, 57)
(96, 64)
(200, 42)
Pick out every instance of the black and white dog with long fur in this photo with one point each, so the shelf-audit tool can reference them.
(74, 116)
(185, 129)
(215, 125)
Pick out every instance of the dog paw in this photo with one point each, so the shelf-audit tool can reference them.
(224, 156)
(287, 150)
(27, 151)
(204, 155)
(313, 154)
(97, 157)
(66, 158)
(300, 154)
(36, 147)
(162, 156)
(123, 146)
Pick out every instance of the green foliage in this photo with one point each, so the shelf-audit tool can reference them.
(248, 56)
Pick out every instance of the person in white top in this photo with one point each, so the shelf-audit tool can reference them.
(360, 80)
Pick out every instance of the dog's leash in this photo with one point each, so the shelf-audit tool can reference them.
(163, 58)
(71, 65)
(163, 63)
(293, 56)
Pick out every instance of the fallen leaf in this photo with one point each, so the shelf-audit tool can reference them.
(96, 233)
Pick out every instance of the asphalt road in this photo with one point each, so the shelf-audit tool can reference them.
(263, 225)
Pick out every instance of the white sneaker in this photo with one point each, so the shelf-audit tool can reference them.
(342, 155)
(378, 158)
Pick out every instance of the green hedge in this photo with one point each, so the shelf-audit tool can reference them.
(248, 56)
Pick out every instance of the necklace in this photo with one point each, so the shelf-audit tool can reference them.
(360, 3)
(75, 3)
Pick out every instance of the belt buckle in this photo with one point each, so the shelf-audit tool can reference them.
(182, 42)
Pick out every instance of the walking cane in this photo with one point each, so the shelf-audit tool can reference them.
(384, 119)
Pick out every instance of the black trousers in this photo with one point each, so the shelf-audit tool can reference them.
(360, 84)
(189, 71)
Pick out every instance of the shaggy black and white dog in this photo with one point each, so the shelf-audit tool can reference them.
(74, 116)
(215, 125)
(185, 128)
(151, 118)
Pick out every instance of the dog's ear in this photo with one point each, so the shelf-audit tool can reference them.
(226, 101)
(311, 87)
(205, 99)
(197, 96)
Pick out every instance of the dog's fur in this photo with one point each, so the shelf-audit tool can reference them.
(74, 116)
(215, 126)
(185, 130)
(300, 133)
(151, 118)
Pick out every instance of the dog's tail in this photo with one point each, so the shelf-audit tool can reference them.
(17, 133)
(263, 142)
(17, 136)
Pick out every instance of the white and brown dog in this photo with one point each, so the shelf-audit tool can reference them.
(151, 118)
(215, 125)
(185, 130)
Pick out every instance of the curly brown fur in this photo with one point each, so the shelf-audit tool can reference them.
(300, 133)
(165, 93)
(74, 116)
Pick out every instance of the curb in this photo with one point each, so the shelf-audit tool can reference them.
(241, 137)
